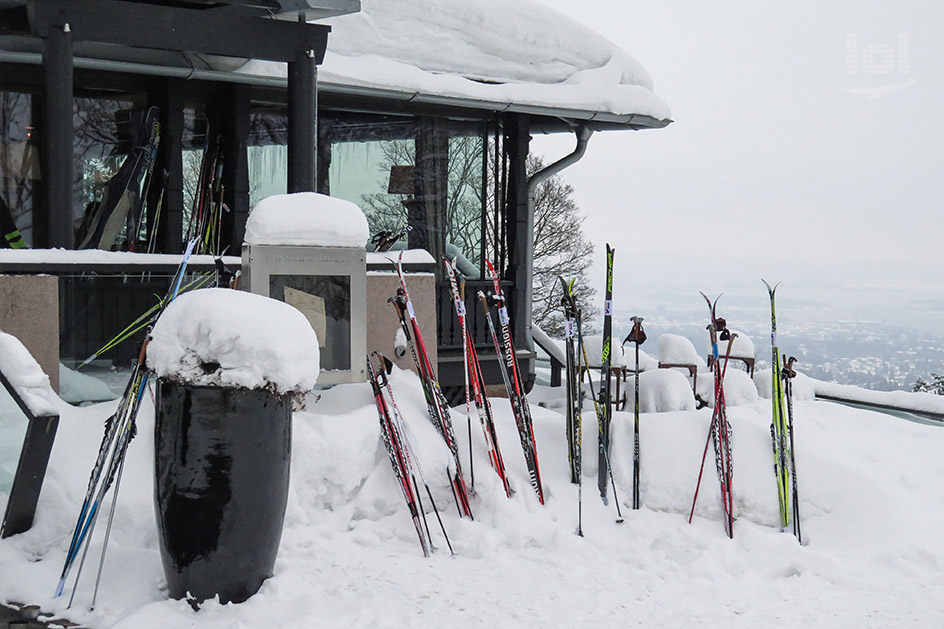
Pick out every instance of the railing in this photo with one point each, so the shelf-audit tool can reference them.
(448, 330)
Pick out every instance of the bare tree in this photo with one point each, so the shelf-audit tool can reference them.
(560, 250)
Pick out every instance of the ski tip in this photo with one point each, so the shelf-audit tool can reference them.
(769, 289)
(62, 583)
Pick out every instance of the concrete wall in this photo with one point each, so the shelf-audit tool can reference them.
(382, 321)
(29, 310)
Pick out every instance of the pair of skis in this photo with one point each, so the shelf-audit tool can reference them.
(436, 404)
(575, 378)
(508, 364)
(402, 454)
(475, 385)
(781, 425)
(124, 202)
(120, 428)
(574, 391)
(719, 432)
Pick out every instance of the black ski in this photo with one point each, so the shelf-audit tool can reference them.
(788, 374)
(574, 398)
(638, 336)
(605, 377)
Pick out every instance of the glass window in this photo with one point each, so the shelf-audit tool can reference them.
(114, 147)
(325, 300)
(424, 173)
(268, 152)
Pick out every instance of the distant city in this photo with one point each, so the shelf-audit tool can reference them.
(872, 355)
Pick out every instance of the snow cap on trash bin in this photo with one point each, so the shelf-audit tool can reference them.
(231, 338)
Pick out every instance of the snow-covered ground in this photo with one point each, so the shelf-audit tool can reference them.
(870, 491)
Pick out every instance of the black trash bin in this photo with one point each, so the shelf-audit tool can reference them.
(222, 473)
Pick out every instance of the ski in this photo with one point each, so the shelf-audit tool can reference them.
(605, 377)
(505, 351)
(475, 384)
(402, 435)
(574, 423)
(598, 408)
(719, 432)
(398, 458)
(435, 401)
(788, 374)
(638, 336)
(778, 422)
(123, 200)
(120, 428)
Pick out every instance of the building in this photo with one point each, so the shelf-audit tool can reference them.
(421, 116)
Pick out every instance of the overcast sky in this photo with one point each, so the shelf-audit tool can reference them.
(807, 146)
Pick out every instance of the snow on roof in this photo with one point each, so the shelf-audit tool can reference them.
(504, 53)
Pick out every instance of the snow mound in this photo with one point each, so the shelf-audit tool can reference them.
(307, 218)
(594, 346)
(646, 362)
(663, 391)
(804, 387)
(233, 338)
(26, 376)
(675, 349)
(920, 401)
(739, 389)
(743, 346)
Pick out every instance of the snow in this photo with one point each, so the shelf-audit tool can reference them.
(662, 391)
(409, 256)
(804, 387)
(307, 218)
(26, 376)
(869, 488)
(646, 362)
(499, 52)
(742, 347)
(84, 258)
(236, 339)
(928, 402)
(738, 387)
(594, 347)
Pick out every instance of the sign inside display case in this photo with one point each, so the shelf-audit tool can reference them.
(328, 286)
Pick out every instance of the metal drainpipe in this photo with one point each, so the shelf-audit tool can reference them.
(583, 134)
